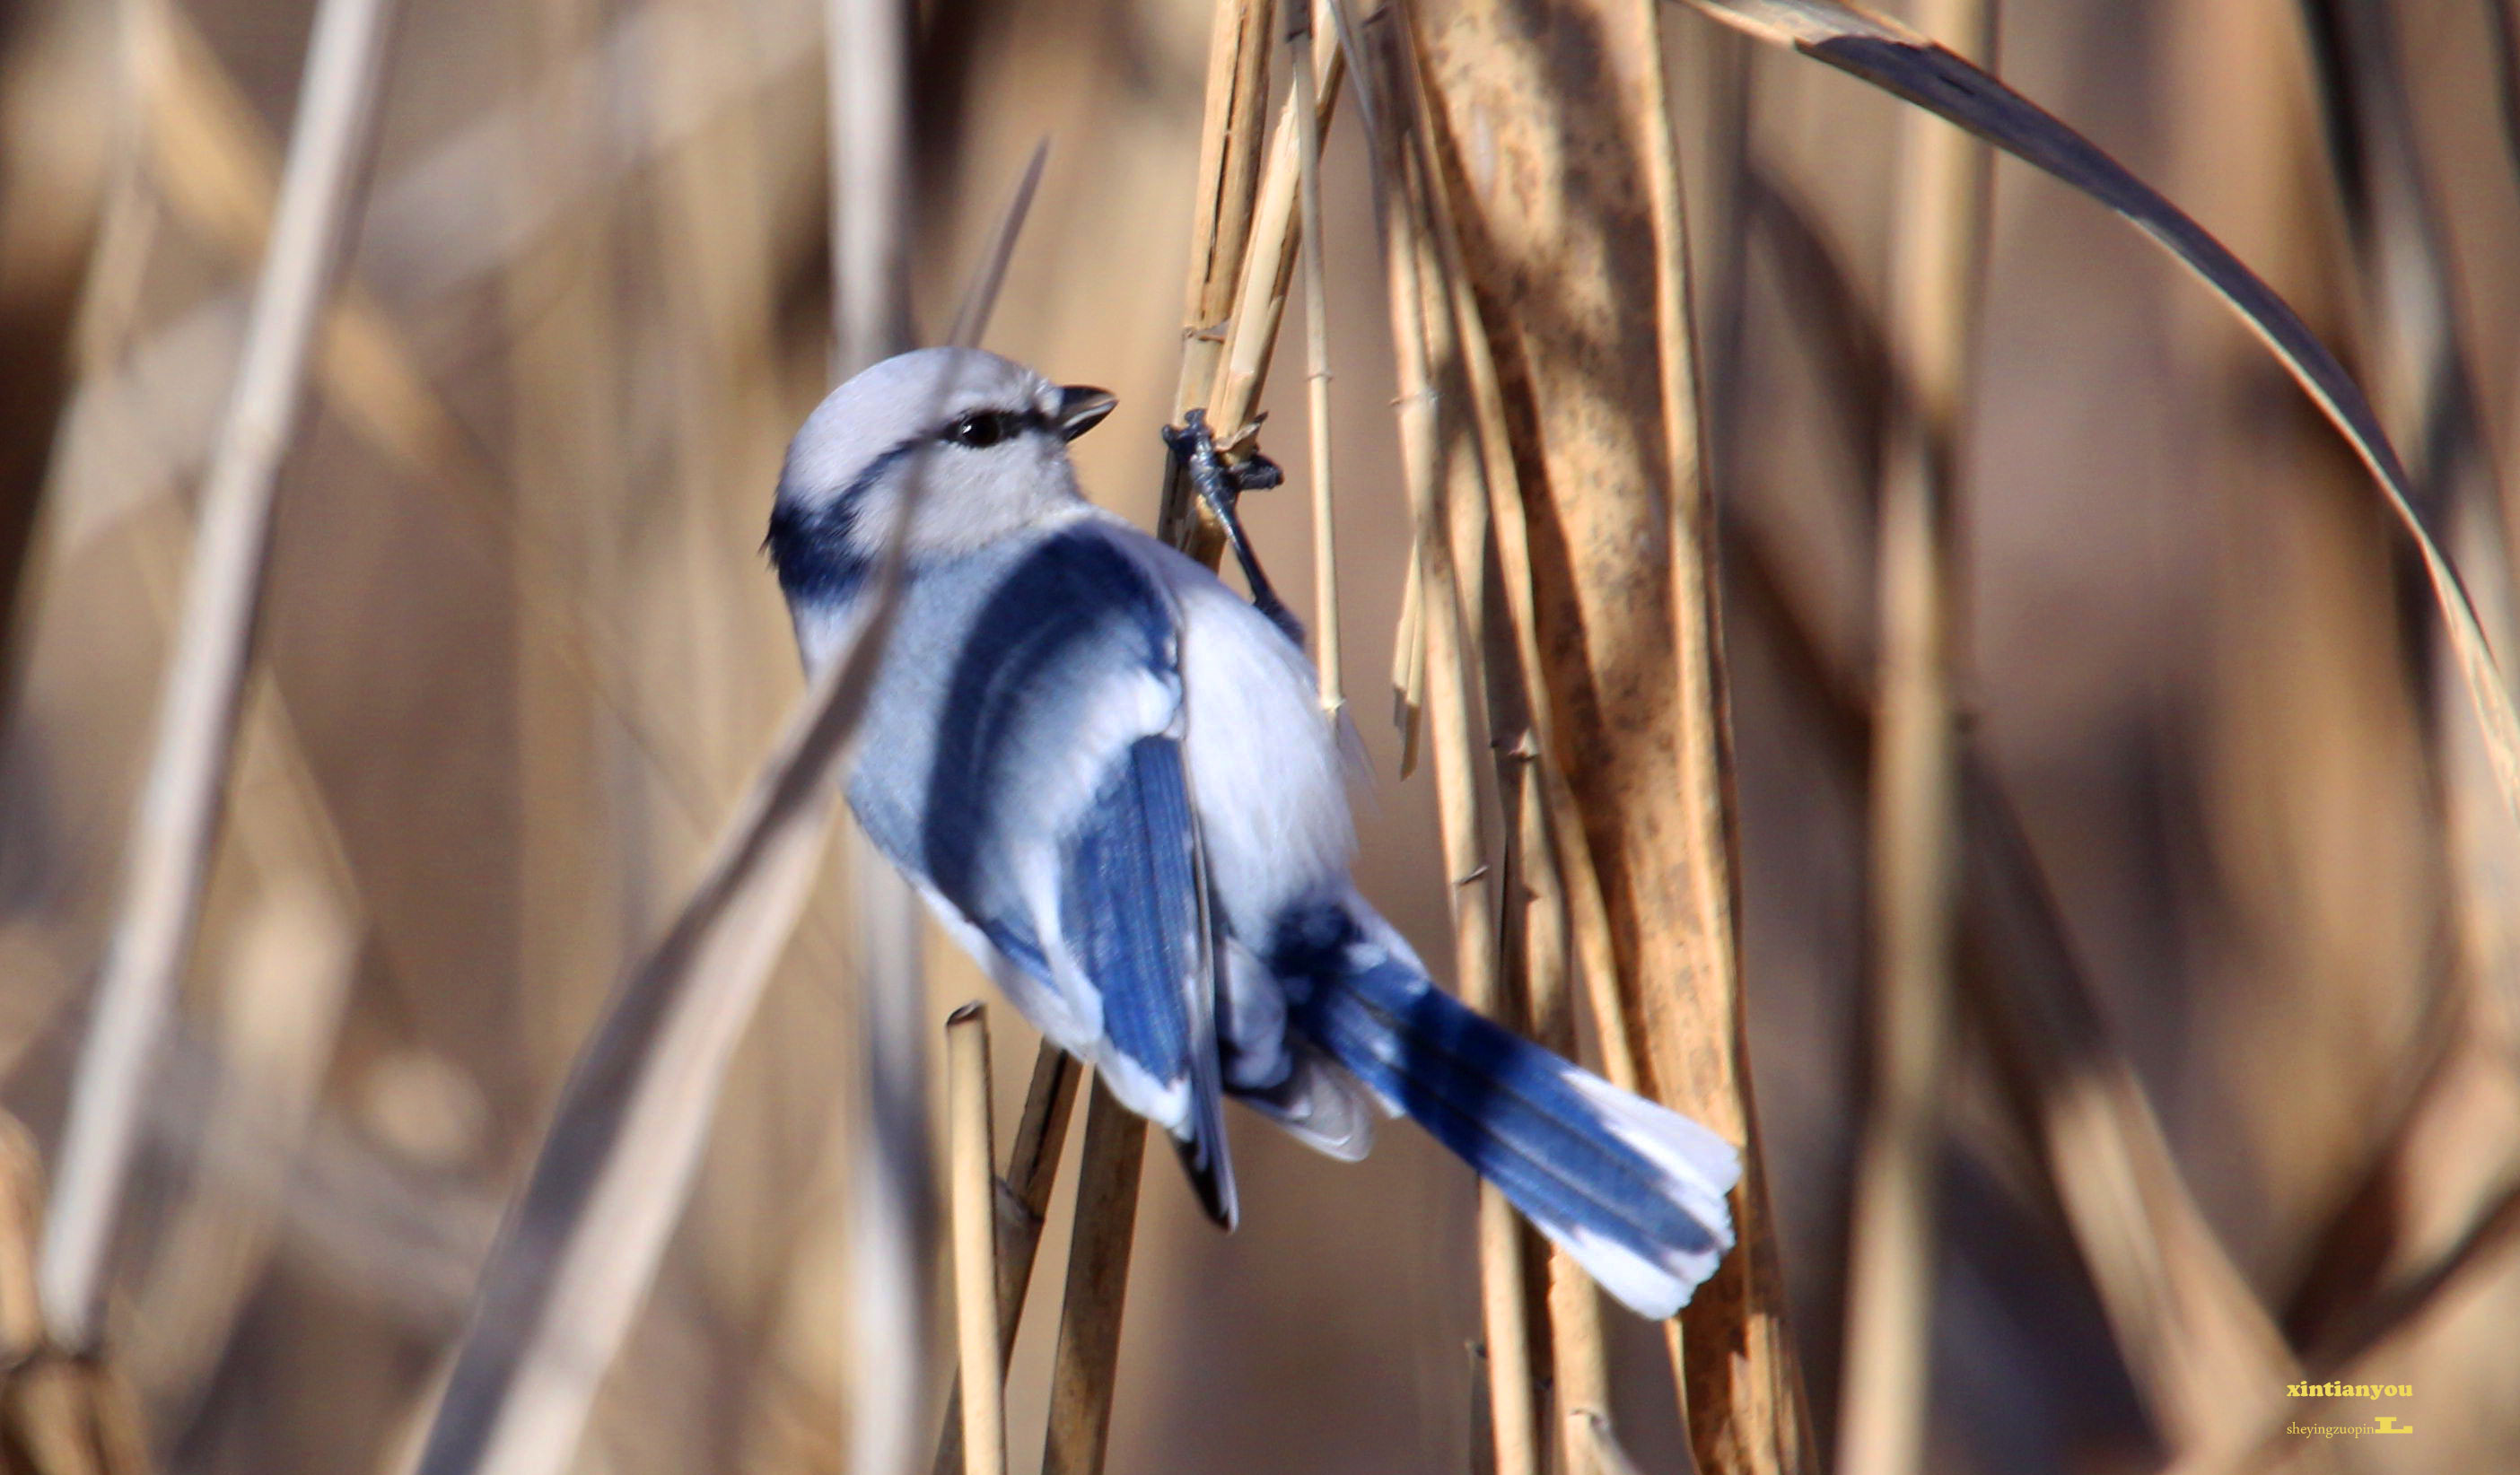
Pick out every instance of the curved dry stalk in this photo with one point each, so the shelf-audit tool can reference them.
(583, 1240)
(1901, 63)
(581, 1245)
(177, 821)
(1937, 256)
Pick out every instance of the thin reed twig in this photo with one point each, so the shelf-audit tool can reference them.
(177, 821)
(1305, 108)
(971, 1172)
(1088, 1346)
(1232, 133)
(1914, 894)
(1223, 215)
(1453, 723)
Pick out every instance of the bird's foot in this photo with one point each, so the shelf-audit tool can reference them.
(1220, 486)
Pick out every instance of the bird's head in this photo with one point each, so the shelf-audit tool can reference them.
(983, 438)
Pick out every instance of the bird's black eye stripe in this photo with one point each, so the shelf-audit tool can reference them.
(982, 428)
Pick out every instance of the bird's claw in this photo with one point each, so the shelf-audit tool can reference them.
(1220, 486)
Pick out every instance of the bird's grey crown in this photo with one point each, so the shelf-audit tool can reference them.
(979, 436)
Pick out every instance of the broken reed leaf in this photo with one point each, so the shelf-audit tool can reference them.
(1909, 67)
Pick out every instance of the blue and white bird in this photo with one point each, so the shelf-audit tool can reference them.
(1102, 767)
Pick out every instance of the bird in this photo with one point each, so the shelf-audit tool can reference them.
(1109, 777)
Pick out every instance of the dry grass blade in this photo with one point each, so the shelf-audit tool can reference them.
(177, 821)
(1452, 723)
(972, 1169)
(1914, 829)
(1908, 65)
(972, 321)
(2425, 395)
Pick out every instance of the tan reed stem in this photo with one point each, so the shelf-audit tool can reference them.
(970, 1174)
(1022, 1205)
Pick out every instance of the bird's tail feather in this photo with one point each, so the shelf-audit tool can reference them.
(1633, 1190)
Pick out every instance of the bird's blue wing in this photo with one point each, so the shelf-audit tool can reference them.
(1055, 724)
(1131, 908)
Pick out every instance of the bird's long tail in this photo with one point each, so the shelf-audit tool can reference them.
(1633, 1190)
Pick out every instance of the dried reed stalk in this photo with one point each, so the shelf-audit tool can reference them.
(1936, 255)
(1420, 341)
(176, 824)
(971, 1176)
(1610, 465)
(1221, 234)
(1547, 918)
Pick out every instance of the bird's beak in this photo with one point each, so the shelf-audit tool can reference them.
(1081, 408)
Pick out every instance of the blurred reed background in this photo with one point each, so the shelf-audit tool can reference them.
(2179, 872)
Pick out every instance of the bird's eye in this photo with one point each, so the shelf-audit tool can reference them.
(981, 428)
